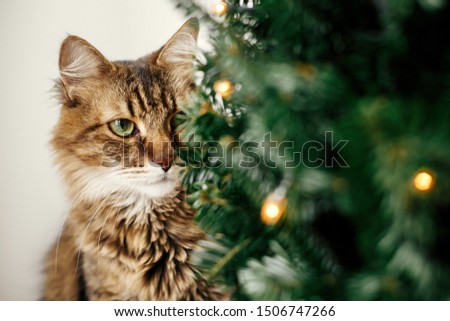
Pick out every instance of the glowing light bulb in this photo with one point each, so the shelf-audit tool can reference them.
(206, 108)
(273, 209)
(224, 88)
(424, 181)
(220, 8)
(306, 70)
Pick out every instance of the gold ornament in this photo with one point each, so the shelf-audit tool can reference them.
(307, 71)
(206, 108)
(228, 142)
(220, 8)
(224, 88)
(273, 208)
(424, 180)
(233, 49)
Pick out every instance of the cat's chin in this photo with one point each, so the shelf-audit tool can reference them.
(118, 186)
(162, 188)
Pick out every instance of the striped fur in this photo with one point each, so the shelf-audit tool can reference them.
(129, 234)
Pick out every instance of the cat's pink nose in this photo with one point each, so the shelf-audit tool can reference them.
(165, 161)
(165, 168)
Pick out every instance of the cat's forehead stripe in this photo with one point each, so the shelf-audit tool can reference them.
(140, 99)
(147, 87)
(130, 108)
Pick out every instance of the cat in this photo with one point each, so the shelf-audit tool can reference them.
(129, 234)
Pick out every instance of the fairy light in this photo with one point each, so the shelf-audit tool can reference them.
(274, 206)
(272, 210)
(224, 88)
(206, 108)
(220, 8)
(306, 70)
(424, 180)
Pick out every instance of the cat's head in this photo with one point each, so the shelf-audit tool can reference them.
(116, 134)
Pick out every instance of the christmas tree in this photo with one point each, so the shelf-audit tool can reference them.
(318, 149)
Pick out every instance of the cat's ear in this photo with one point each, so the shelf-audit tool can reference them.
(79, 63)
(178, 53)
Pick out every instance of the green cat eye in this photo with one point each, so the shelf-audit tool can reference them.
(122, 127)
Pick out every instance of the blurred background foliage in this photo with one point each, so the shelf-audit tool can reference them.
(376, 75)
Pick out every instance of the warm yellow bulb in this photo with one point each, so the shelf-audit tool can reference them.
(220, 8)
(424, 181)
(224, 88)
(273, 209)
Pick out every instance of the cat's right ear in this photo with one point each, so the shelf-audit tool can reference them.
(178, 54)
(79, 64)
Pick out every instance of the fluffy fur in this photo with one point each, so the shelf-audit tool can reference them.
(129, 234)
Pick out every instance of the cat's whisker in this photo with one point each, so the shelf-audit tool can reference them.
(98, 210)
(122, 193)
(63, 223)
(137, 172)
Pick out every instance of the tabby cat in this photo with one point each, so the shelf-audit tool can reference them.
(129, 234)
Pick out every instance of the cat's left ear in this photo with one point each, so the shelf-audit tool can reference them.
(178, 53)
(80, 64)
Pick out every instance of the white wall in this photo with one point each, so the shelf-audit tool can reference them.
(32, 200)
